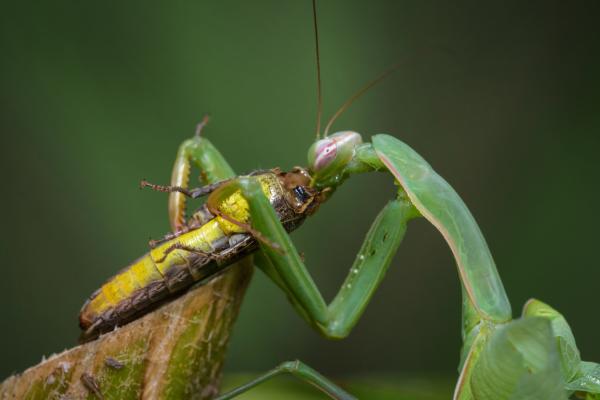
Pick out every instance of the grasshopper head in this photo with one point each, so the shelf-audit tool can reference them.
(298, 193)
(328, 157)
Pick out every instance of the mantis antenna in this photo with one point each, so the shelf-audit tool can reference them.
(356, 95)
(319, 94)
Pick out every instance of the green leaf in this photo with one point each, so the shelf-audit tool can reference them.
(175, 351)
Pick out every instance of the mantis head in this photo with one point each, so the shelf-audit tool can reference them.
(328, 158)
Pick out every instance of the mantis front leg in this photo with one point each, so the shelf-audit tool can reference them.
(334, 320)
(213, 168)
(199, 152)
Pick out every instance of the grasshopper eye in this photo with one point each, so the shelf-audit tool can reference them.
(301, 194)
(328, 157)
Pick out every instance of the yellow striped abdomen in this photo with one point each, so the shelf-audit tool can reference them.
(154, 276)
(145, 271)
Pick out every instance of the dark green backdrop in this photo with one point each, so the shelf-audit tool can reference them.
(501, 97)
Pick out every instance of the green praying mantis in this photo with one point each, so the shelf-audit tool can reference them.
(532, 357)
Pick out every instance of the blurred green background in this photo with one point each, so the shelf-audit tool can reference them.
(501, 98)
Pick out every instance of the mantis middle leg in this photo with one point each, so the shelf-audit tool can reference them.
(299, 370)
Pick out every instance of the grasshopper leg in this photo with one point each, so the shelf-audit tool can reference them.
(298, 370)
(195, 193)
(180, 246)
(194, 224)
(191, 193)
(287, 270)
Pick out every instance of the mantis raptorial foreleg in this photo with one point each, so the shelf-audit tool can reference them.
(289, 272)
(214, 169)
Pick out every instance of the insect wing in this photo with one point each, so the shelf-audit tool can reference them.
(579, 375)
(587, 380)
(569, 354)
(519, 361)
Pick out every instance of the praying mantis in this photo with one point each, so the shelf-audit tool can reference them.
(533, 357)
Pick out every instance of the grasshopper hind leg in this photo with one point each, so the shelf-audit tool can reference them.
(199, 218)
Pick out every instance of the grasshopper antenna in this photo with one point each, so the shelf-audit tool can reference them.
(319, 94)
(356, 95)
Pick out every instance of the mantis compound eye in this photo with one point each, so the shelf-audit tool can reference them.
(328, 157)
